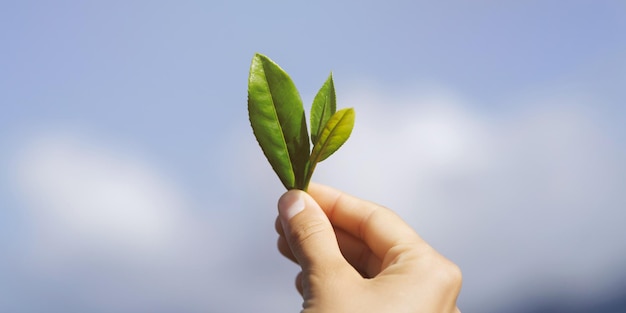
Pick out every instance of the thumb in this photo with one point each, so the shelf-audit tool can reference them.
(308, 231)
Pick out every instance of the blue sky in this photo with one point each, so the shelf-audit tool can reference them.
(130, 180)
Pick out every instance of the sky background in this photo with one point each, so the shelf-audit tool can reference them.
(130, 180)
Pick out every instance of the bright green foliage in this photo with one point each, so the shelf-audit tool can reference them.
(324, 106)
(332, 137)
(335, 133)
(278, 122)
(277, 117)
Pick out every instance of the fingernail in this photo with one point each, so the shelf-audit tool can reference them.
(290, 204)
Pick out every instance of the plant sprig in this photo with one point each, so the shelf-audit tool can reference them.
(278, 121)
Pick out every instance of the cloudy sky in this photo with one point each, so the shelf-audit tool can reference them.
(130, 180)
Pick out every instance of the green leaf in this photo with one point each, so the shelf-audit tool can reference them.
(332, 137)
(324, 106)
(278, 121)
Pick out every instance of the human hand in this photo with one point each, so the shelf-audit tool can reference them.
(357, 256)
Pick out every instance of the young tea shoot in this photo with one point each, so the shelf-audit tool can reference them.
(279, 124)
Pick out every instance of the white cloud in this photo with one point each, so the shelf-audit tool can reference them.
(81, 192)
(113, 230)
(406, 142)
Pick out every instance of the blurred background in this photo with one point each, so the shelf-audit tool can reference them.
(130, 180)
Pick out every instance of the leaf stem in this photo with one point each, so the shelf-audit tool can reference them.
(309, 175)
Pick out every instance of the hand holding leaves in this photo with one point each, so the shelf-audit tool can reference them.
(279, 124)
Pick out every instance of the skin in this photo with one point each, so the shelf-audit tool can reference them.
(357, 256)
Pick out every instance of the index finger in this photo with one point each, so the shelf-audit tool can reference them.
(380, 228)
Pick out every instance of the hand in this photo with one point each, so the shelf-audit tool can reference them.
(357, 256)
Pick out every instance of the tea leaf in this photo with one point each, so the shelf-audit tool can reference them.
(332, 137)
(279, 125)
(277, 117)
(324, 106)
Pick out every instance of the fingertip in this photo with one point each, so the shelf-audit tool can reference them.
(290, 204)
(278, 226)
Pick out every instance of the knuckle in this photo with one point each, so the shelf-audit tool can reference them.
(444, 273)
(450, 275)
(304, 232)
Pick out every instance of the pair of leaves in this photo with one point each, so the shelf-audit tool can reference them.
(279, 124)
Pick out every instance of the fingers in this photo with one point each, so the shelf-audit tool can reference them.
(358, 254)
(283, 248)
(364, 232)
(378, 227)
(325, 228)
(299, 285)
(308, 232)
(355, 251)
